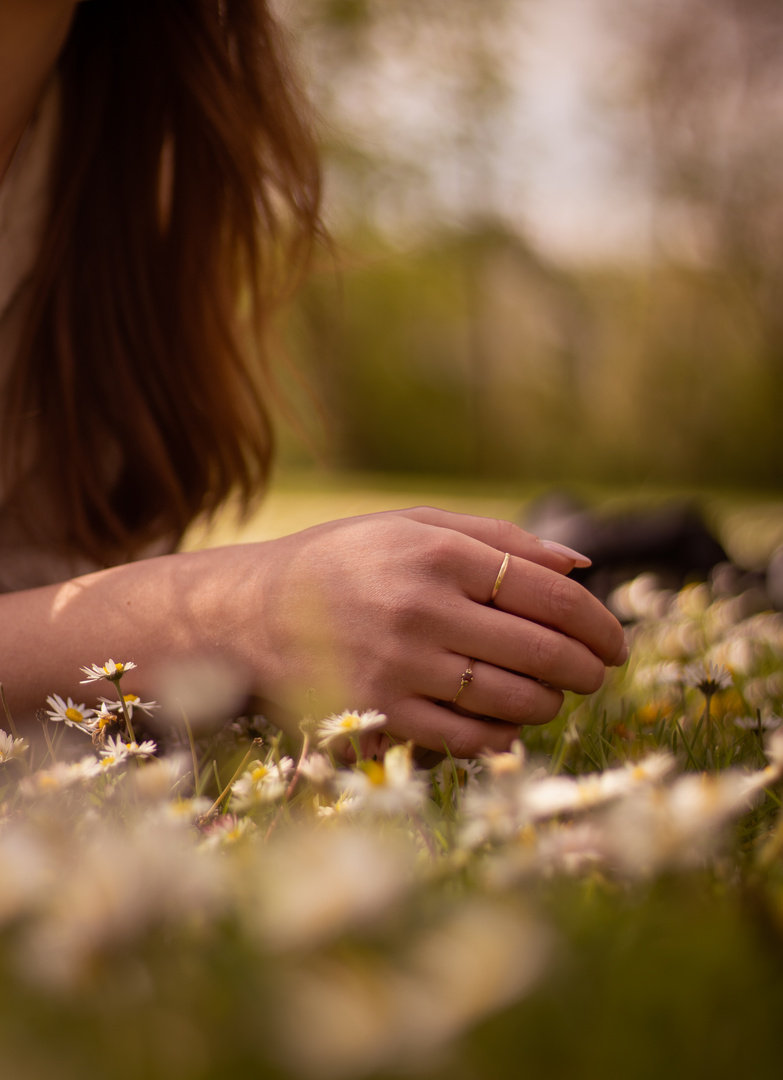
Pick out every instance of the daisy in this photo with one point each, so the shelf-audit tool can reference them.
(228, 830)
(101, 720)
(707, 677)
(78, 716)
(110, 670)
(391, 786)
(118, 750)
(10, 747)
(755, 723)
(61, 776)
(132, 701)
(263, 782)
(510, 763)
(146, 749)
(115, 753)
(318, 769)
(349, 723)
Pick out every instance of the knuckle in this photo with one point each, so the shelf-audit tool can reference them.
(405, 610)
(548, 705)
(462, 744)
(438, 551)
(507, 533)
(563, 598)
(545, 651)
(517, 702)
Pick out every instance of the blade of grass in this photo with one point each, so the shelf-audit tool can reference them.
(687, 746)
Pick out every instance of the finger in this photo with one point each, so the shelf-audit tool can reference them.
(502, 536)
(375, 744)
(533, 592)
(519, 645)
(436, 727)
(493, 692)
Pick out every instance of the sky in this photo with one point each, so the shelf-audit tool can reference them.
(549, 160)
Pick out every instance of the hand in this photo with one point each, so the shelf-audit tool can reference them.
(387, 611)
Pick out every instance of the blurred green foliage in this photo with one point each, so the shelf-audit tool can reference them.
(451, 340)
(477, 357)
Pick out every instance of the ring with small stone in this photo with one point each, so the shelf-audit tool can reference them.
(465, 679)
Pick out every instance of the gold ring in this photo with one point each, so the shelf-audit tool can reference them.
(499, 578)
(465, 679)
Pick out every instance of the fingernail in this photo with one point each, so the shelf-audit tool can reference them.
(561, 549)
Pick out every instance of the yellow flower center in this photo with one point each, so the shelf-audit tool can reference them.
(527, 836)
(259, 773)
(132, 698)
(110, 760)
(374, 772)
(348, 723)
(75, 715)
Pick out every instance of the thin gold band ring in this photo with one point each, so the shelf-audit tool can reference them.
(499, 578)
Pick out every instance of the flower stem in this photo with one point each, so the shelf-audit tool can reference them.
(7, 712)
(240, 769)
(126, 713)
(291, 786)
(193, 754)
(49, 742)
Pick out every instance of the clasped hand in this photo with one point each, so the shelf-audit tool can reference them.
(388, 611)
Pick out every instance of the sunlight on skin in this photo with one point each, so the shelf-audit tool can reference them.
(68, 592)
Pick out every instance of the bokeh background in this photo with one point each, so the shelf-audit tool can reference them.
(558, 252)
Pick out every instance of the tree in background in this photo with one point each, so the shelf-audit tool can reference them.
(458, 342)
(709, 95)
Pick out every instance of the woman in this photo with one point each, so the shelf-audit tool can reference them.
(159, 195)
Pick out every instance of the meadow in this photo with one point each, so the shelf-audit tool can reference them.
(605, 900)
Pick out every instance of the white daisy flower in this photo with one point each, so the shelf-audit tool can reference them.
(10, 747)
(110, 670)
(707, 677)
(228, 830)
(146, 749)
(510, 763)
(349, 723)
(61, 776)
(346, 804)
(78, 716)
(318, 769)
(753, 723)
(553, 795)
(132, 701)
(115, 753)
(264, 782)
(118, 749)
(391, 786)
(101, 718)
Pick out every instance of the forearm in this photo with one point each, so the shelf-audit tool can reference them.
(386, 612)
(159, 612)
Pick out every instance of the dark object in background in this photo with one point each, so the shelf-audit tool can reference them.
(671, 541)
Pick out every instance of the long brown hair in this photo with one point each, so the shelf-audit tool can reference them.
(185, 199)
